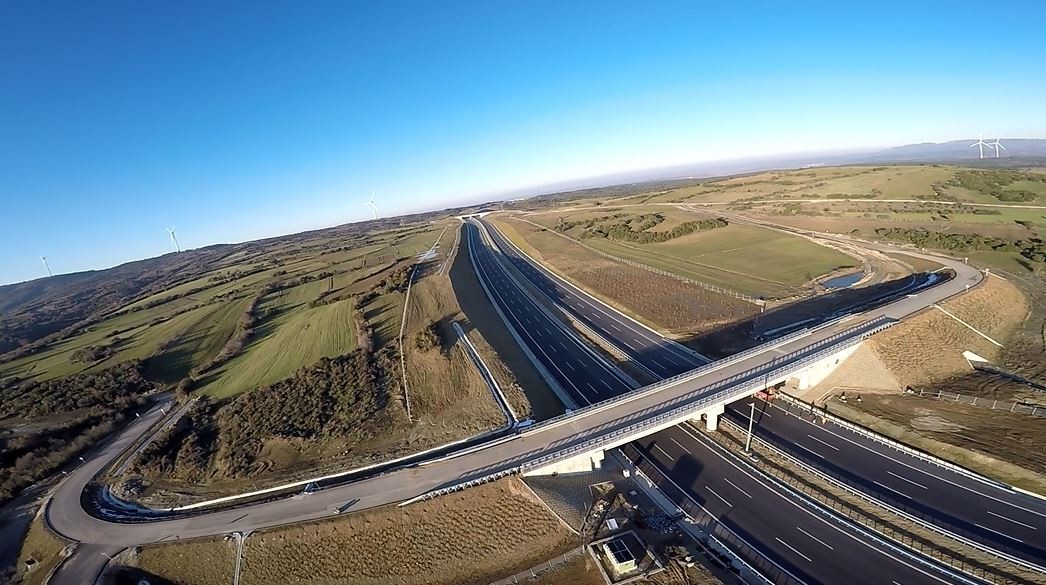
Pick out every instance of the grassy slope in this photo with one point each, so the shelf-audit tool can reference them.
(44, 547)
(459, 539)
(296, 336)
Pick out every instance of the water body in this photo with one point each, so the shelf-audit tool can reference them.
(844, 281)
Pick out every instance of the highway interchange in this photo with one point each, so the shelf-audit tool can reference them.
(1005, 520)
(587, 377)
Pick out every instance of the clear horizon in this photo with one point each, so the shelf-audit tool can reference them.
(235, 123)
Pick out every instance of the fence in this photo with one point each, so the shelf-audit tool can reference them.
(658, 271)
(698, 516)
(887, 530)
(531, 573)
(982, 402)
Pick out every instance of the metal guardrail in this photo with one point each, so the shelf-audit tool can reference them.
(897, 445)
(760, 565)
(952, 560)
(750, 380)
(898, 507)
(832, 515)
(878, 324)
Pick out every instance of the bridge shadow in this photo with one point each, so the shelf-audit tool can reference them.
(755, 330)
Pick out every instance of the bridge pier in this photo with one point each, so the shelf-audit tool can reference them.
(711, 416)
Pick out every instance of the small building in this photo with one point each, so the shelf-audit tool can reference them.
(620, 555)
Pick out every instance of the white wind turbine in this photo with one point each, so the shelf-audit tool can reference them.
(373, 209)
(980, 144)
(997, 146)
(46, 267)
(174, 239)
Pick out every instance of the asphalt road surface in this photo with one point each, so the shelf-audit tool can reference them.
(67, 516)
(998, 517)
(802, 542)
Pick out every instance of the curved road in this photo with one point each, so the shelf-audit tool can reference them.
(67, 516)
(993, 515)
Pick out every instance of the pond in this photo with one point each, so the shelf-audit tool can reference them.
(844, 281)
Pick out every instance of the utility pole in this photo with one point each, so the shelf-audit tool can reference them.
(751, 421)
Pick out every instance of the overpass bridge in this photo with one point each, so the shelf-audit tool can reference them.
(576, 441)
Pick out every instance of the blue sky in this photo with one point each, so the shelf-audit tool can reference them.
(234, 121)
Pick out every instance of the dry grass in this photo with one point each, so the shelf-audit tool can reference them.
(42, 546)
(663, 302)
(526, 389)
(928, 347)
(475, 536)
(1007, 447)
(445, 387)
(198, 562)
(581, 570)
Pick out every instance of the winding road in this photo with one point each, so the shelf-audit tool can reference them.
(573, 365)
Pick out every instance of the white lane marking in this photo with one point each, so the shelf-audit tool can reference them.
(678, 445)
(793, 549)
(615, 327)
(828, 546)
(772, 492)
(632, 347)
(567, 364)
(727, 480)
(892, 489)
(524, 331)
(829, 445)
(902, 478)
(607, 384)
(810, 450)
(912, 467)
(658, 447)
(1011, 520)
(999, 533)
(895, 583)
(719, 496)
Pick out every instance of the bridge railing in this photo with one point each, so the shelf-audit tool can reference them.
(753, 377)
(697, 400)
(874, 326)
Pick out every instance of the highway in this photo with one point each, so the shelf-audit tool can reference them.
(66, 514)
(802, 542)
(1003, 519)
(660, 356)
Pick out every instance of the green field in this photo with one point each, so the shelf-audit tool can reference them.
(751, 260)
(296, 336)
(189, 324)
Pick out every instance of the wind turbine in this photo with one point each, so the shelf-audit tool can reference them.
(373, 209)
(174, 239)
(997, 146)
(46, 267)
(980, 144)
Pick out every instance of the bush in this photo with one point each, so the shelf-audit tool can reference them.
(428, 338)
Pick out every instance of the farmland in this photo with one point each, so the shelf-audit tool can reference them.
(748, 259)
(675, 306)
(249, 337)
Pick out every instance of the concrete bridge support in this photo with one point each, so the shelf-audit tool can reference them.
(711, 416)
(583, 463)
(815, 373)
